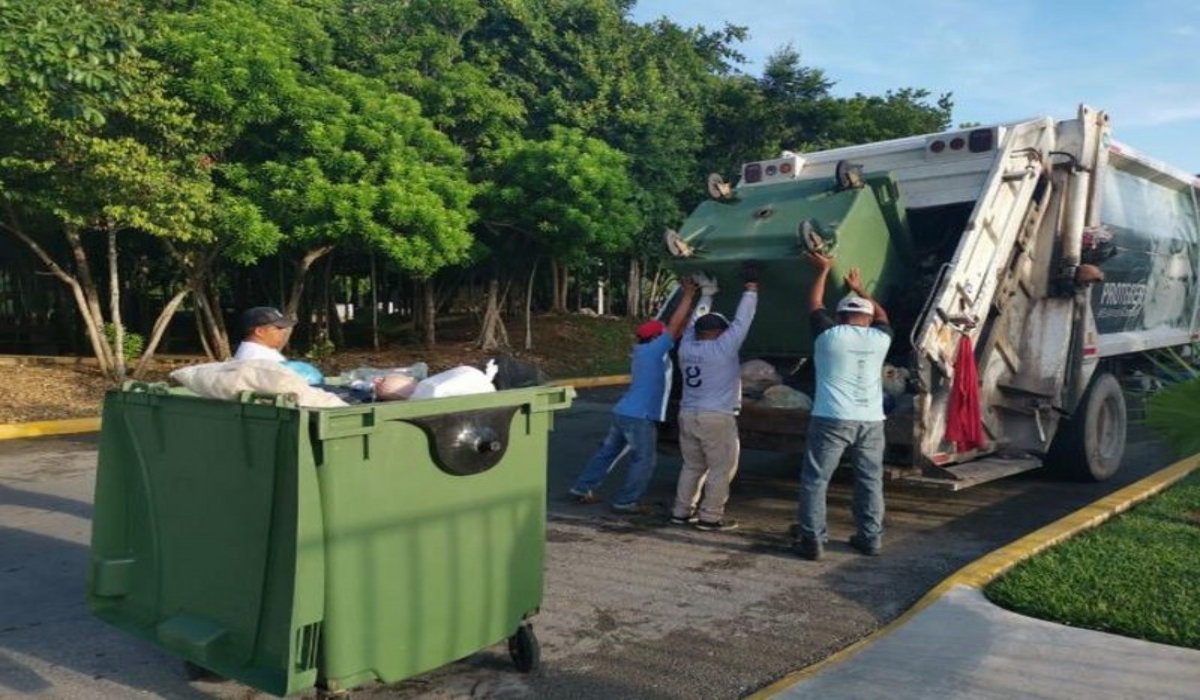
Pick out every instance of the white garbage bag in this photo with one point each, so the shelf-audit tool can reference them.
(227, 380)
(457, 381)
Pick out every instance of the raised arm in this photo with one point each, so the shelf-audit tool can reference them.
(854, 283)
(816, 294)
(679, 317)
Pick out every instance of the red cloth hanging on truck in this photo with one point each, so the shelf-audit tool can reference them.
(964, 423)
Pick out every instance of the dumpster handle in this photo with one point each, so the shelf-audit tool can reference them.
(286, 400)
(137, 387)
(550, 401)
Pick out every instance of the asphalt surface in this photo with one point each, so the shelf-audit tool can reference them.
(633, 607)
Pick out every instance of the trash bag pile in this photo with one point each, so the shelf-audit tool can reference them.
(228, 381)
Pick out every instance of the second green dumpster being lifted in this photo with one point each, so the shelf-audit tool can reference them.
(289, 548)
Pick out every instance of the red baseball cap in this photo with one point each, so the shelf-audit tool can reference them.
(651, 329)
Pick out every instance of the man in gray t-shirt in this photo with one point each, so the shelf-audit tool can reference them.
(710, 367)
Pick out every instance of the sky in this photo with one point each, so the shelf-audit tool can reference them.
(1138, 60)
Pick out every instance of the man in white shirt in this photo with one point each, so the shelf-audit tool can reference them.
(266, 330)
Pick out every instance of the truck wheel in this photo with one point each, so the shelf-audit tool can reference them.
(524, 649)
(1090, 445)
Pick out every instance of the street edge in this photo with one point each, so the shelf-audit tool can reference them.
(50, 427)
(982, 571)
(11, 431)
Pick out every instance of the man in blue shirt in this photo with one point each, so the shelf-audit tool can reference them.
(847, 415)
(637, 414)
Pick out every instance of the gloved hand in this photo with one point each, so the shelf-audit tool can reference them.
(750, 271)
(708, 285)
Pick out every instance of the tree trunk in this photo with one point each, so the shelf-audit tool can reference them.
(114, 303)
(199, 267)
(303, 265)
(529, 306)
(211, 323)
(202, 333)
(87, 307)
(633, 290)
(428, 295)
(655, 298)
(492, 334)
(558, 286)
(93, 314)
(160, 327)
(374, 306)
(328, 319)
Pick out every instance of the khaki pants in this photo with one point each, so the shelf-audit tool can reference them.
(710, 448)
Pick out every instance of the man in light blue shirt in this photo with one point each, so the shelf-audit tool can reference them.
(636, 415)
(847, 415)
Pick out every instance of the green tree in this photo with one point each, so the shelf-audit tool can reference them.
(568, 197)
(792, 107)
(94, 146)
(325, 155)
(420, 49)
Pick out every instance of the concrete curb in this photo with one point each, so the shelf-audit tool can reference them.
(982, 571)
(12, 431)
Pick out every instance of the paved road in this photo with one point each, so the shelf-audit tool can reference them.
(633, 608)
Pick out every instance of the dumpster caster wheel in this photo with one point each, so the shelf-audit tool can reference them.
(198, 673)
(524, 649)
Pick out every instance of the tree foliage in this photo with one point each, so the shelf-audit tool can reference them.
(568, 196)
(430, 135)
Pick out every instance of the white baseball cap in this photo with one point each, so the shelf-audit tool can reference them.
(854, 304)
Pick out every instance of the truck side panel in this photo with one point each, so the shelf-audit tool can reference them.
(1148, 247)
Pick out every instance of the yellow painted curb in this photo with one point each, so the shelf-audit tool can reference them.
(592, 382)
(49, 427)
(980, 572)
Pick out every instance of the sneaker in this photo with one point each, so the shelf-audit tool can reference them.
(864, 547)
(718, 526)
(676, 520)
(809, 549)
(633, 509)
(583, 497)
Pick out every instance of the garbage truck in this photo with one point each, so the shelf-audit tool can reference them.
(1051, 259)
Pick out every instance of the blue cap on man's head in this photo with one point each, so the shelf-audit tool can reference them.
(265, 316)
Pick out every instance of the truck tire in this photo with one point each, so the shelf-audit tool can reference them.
(1090, 444)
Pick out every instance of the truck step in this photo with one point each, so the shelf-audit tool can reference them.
(1044, 389)
(960, 476)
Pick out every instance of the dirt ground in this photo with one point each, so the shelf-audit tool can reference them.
(564, 346)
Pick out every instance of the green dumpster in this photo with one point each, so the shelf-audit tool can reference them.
(288, 548)
(865, 227)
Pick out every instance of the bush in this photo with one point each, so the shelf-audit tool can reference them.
(133, 345)
(1173, 412)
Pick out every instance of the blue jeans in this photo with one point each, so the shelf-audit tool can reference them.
(638, 436)
(863, 442)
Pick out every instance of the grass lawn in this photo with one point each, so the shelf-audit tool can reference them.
(1136, 575)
